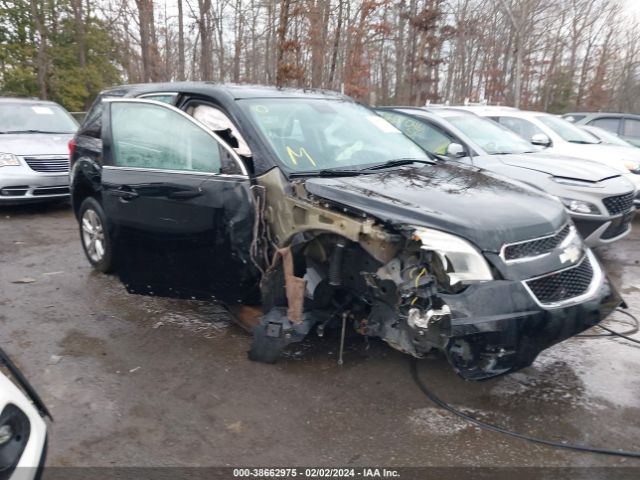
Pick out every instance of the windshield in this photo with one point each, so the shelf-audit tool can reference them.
(33, 117)
(566, 130)
(493, 138)
(318, 134)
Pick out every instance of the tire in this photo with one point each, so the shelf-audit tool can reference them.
(94, 235)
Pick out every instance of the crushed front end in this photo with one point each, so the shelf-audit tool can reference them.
(493, 320)
(491, 311)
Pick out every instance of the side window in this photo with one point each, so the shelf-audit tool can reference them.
(169, 98)
(429, 137)
(631, 128)
(610, 124)
(522, 127)
(152, 136)
(92, 125)
(221, 124)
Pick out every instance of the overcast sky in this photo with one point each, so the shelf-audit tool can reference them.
(633, 5)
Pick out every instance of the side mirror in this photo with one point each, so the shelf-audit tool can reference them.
(455, 150)
(541, 140)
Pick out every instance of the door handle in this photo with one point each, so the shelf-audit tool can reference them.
(185, 194)
(125, 193)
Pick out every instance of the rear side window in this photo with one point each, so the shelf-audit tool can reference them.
(631, 128)
(169, 98)
(610, 124)
(92, 125)
(151, 136)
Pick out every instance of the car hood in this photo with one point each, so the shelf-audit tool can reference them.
(482, 207)
(561, 166)
(610, 154)
(35, 143)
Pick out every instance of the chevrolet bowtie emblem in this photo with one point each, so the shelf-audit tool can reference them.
(571, 254)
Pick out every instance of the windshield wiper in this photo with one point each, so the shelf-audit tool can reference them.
(326, 173)
(583, 142)
(31, 131)
(398, 163)
(337, 172)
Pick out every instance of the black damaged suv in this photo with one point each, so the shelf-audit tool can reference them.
(316, 211)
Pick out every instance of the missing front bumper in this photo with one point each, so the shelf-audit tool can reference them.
(508, 329)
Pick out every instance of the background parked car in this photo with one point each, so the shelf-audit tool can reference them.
(598, 197)
(558, 136)
(626, 125)
(606, 136)
(34, 152)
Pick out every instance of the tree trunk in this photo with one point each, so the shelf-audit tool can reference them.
(336, 46)
(204, 28)
(283, 27)
(180, 42)
(42, 58)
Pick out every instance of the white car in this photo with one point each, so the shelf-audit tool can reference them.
(23, 431)
(558, 136)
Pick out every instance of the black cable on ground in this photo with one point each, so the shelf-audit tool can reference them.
(488, 426)
(618, 334)
(635, 326)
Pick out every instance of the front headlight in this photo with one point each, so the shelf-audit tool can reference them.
(462, 261)
(580, 206)
(632, 166)
(8, 160)
(15, 430)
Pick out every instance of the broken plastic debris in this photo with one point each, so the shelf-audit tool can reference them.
(54, 359)
(134, 369)
(24, 280)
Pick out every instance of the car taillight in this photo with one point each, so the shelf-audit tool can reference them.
(72, 147)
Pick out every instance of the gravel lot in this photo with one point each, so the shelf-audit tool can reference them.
(142, 381)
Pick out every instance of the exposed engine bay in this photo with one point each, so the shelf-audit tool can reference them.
(332, 266)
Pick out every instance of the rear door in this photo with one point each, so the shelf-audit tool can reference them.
(179, 203)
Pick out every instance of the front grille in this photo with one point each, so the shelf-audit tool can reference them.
(563, 285)
(619, 204)
(533, 248)
(48, 165)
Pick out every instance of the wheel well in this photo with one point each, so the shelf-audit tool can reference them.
(82, 189)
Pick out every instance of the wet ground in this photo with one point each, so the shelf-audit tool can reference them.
(144, 381)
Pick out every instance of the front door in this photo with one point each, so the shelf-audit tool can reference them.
(179, 204)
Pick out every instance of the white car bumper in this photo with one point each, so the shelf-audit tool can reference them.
(32, 455)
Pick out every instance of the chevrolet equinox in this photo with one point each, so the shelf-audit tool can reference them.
(316, 212)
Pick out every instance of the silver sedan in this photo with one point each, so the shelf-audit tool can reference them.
(34, 158)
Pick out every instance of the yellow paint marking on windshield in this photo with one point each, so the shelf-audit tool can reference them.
(302, 153)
